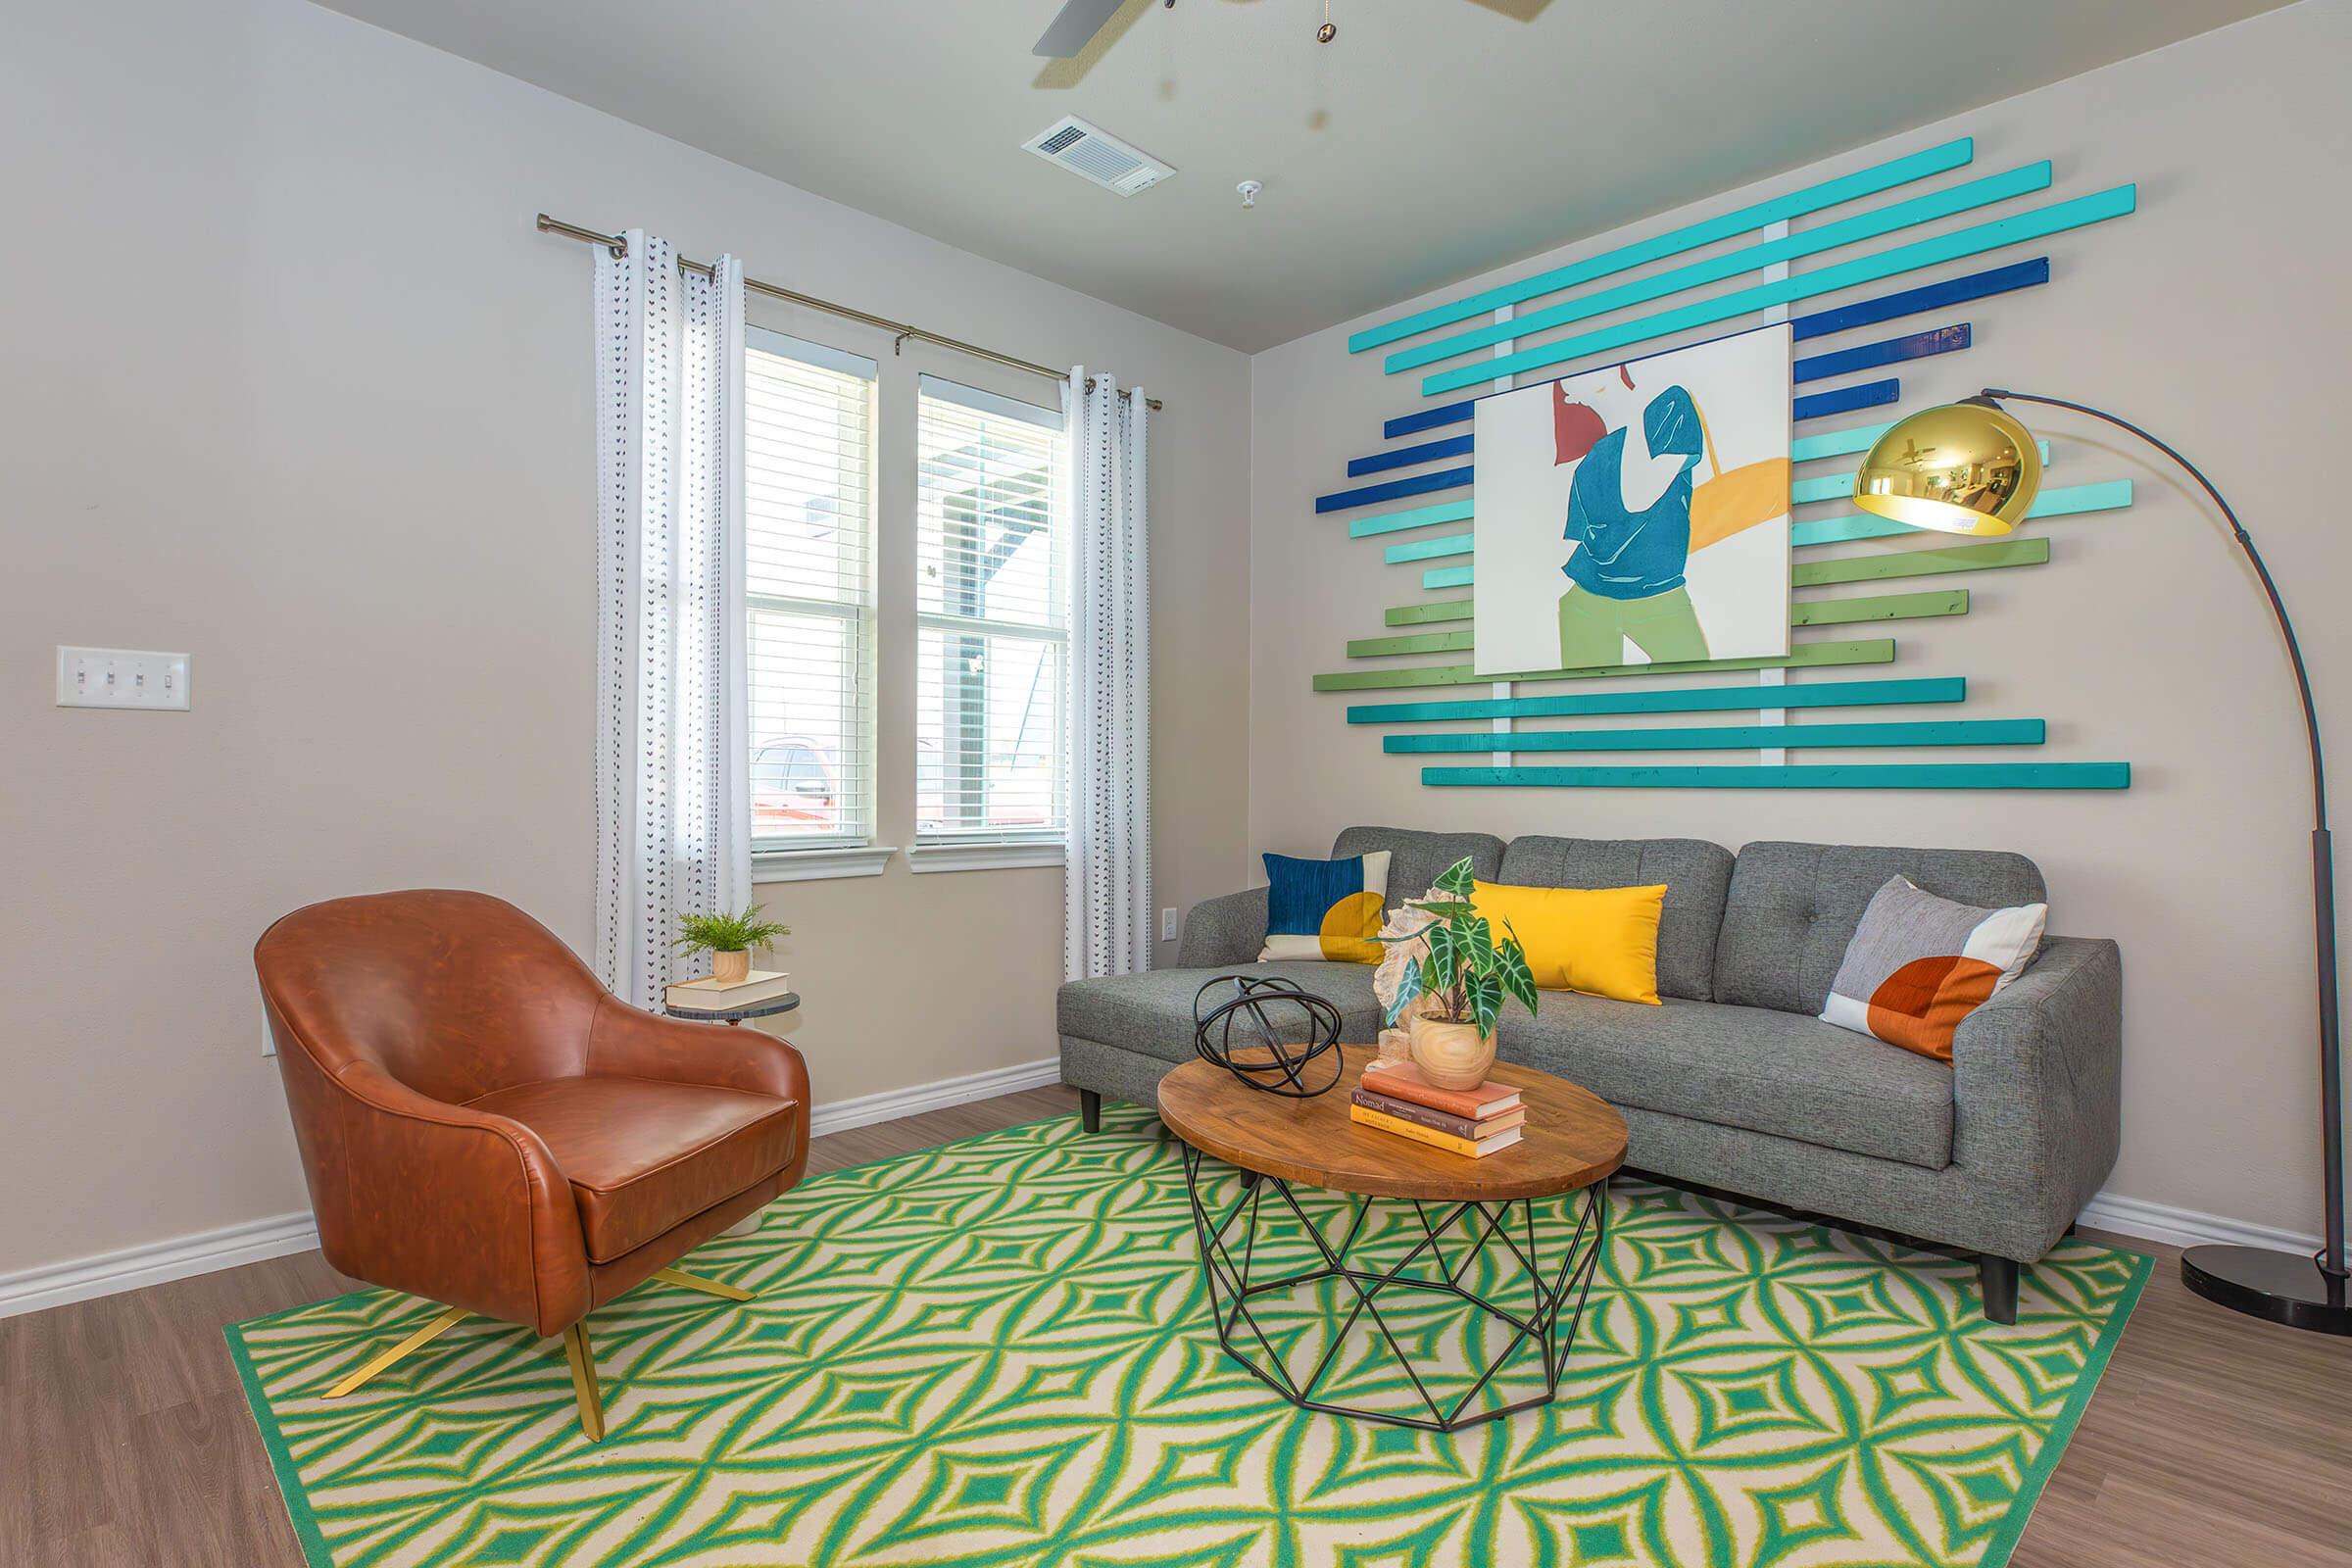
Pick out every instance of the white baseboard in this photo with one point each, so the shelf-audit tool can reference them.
(2187, 1227)
(866, 1109)
(111, 1273)
(84, 1278)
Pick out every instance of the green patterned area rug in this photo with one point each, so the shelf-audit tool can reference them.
(998, 1354)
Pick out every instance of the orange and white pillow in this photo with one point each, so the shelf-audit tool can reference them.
(1917, 964)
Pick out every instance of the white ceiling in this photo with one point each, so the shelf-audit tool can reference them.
(1434, 140)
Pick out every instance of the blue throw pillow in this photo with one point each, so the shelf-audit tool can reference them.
(1329, 909)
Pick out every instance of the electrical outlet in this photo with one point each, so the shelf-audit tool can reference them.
(120, 677)
(1167, 925)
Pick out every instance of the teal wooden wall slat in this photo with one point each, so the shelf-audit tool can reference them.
(2054, 219)
(1733, 737)
(1812, 199)
(1801, 777)
(1420, 518)
(1891, 220)
(1453, 544)
(1693, 700)
(1800, 656)
(2067, 502)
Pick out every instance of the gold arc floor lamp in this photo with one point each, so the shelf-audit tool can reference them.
(1970, 467)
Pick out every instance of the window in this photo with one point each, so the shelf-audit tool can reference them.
(991, 648)
(808, 464)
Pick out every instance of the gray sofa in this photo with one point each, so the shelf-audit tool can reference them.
(1733, 1083)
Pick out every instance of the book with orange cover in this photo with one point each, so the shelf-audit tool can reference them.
(1403, 1081)
(1366, 1117)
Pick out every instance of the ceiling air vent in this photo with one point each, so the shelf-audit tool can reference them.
(1096, 155)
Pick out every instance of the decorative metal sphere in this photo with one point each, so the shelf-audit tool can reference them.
(1287, 1033)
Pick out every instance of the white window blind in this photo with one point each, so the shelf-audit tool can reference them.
(809, 466)
(991, 604)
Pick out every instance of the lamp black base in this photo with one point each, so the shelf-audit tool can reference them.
(2278, 1286)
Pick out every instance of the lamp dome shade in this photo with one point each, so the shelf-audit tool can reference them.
(1965, 467)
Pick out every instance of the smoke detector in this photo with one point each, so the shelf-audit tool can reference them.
(1093, 152)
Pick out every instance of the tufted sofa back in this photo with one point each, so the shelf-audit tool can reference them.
(1793, 909)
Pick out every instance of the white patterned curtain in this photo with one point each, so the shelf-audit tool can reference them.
(673, 823)
(1108, 927)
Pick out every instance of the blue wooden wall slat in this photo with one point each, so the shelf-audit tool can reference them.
(1426, 420)
(1828, 193)
(1694, 700)
(2016, 229)
(1846, 398)
(1420, 484)
(1733, 737)
(1798, 776)
(1406, 456)
(1862, 313)
(1893, 219)
(1926, 297)
(1886, 350)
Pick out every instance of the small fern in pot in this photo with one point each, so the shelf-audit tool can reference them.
(1469, 972)
(730, 940)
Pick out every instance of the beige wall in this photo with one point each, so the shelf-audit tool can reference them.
(292, 386)
(2215, 315)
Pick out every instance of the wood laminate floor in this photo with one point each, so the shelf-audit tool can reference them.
(125, 1441)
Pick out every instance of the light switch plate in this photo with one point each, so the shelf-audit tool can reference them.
(120, 677)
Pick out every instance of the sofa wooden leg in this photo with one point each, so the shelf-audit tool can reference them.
(1997, 1278)
(1090, 1110)
(585, 1390)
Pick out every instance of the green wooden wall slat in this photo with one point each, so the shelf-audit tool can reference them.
(1812, 199)
(1800, 776)
(1879, 607)
(1809, 613)
(1687, 699)
(1990, 556)
(2018, 227)
(1423, 615)
(1732, 737)
(1804, 655)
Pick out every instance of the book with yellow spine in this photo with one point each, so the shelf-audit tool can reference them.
(1366, 1117)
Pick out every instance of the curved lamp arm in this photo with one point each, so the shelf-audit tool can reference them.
(2322, 858)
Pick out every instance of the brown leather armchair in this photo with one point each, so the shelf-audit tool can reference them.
(484, 1125)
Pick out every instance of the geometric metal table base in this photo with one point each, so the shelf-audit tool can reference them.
(1228, 1246)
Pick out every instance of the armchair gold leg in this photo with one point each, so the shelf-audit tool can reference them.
(577, 1351)
(387, 1359)
(695, 1282)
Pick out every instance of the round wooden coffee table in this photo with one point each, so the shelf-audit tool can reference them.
(1467, 1208)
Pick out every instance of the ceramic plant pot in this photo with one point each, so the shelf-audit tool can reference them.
(731, 968)
(1452, 1056)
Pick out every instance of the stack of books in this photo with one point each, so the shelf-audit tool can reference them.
(1394, 1098)
(709, 995)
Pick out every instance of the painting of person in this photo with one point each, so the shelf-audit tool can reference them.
(1629, 530)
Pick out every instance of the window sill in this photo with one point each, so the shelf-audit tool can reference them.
(817, 865)
(984, 856)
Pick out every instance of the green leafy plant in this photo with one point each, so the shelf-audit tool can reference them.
(1468, 969)
(729, 933)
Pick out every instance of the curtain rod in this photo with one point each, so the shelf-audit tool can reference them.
(899, 331)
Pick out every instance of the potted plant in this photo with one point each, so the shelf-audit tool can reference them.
(1468, 972)
(730, 940)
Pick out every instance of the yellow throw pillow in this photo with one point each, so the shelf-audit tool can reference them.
(1600, 941)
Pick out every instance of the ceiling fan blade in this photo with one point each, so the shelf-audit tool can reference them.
(1076, 26)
